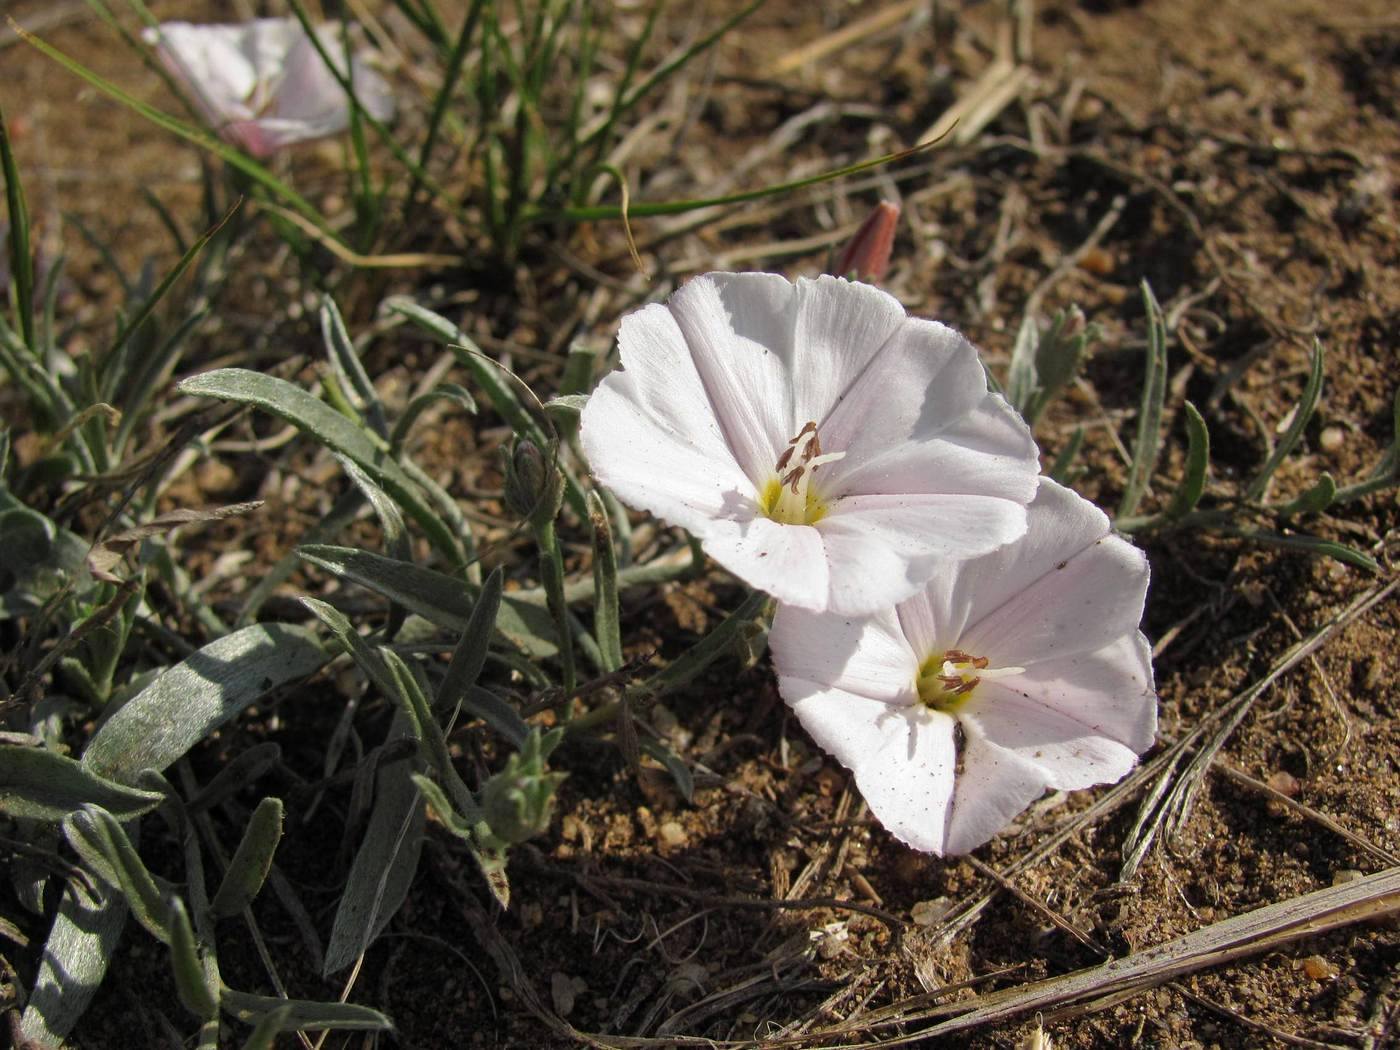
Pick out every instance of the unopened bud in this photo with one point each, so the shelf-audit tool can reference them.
(518, 801)
(534, 487)
(867, 254)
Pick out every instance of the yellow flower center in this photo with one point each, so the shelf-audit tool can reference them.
(947, 680)
(789, 496)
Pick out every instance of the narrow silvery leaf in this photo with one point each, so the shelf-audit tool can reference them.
(445, 600)
(396, 540)
(302, 1015)
(387, 859)
(1062, 467)
(107, 852)
(83, 938)
(264, 1034)
(470, 655)
(1021, 377)
(199, 694)
(1154, 391)
(1302, 413)
(344, 359)
(190, 979)
(492, 862)
(605, 610)
(251, 861)
(680, 772)
(1193, 482)
(459, 395)
(313, 416)
(37, 784)
(497, 713)
(1316, 499)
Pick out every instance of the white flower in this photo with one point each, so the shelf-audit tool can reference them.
(1009, 674)
(262, 85)
(821, 444)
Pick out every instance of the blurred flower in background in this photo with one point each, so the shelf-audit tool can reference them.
(262, 85)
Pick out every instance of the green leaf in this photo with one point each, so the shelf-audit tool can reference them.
(605, 609)
(1302, 413)
(199, 694)
(21, 260)
(1312, 545)
(345, 361)
(445, 600)
(1064, 460)
(491, 861)
(680, 772)
(469, 656)
(386, 861)
(302, 1015)
(107, 852)
(1154, 391)
(191, 983)
(251, 861)
(82, 940)
(459, 395)
(313, 416)
(264, 1035)
(1316, 499)
(1193, 482)
(37, 784)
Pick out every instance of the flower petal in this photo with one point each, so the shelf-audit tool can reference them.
(840, 327)
(986, 450)
(993, 787)
(663, 456)
(211, 62)
(868, 657)
(1070, 754)
(883, 548)
(1068, 587)
(925, 379)
(787, 561)
(1109, 690)
(738, 329)
(902, 757)
(308, 93)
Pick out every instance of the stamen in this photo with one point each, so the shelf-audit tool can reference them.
(946, 680)
(788, 498)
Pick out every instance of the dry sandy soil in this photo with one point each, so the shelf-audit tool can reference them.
(1239, 156)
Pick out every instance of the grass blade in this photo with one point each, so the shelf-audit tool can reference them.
(605, 610)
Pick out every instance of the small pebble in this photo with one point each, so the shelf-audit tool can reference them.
(1284, 783)
(1344, 875)
(1318, 968)
(926, 913)
(1332, 438)
(671, 835)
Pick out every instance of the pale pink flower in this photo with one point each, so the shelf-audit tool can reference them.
(1009, 674)
(821, 444)
(262, 85)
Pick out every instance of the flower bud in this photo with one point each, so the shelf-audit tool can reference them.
(534, 487)
(517, 802)
(867, 254)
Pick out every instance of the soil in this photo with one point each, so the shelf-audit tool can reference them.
(1239, 157)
